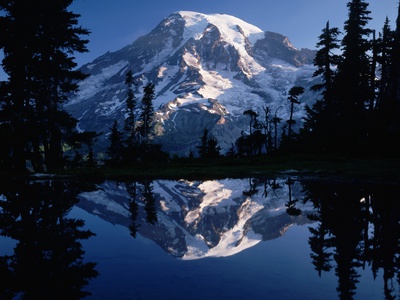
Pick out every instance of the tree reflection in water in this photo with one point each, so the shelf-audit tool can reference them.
(145, 196)
(358, 226)
(47, 262)
(291, 208)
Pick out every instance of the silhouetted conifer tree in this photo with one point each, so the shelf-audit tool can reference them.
(294, 94)
(38, 39)
(352, 87)
(388, 104)
(202, 149)
(116, 148)
(147, 111)
(318, 123)
(130, 126)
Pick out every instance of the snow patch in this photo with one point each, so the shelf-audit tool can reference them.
(96, 83)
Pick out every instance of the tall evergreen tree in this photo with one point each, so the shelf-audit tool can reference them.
(130, 126)
(325, 59)
(294, 94)
(38, 39)
(203, 144)
(253, 118)
(388, 104)
(147, 111)
(115, 150)
(213, 150)
(385, 45)
(354, 70)
(352, 87)
(317, 126)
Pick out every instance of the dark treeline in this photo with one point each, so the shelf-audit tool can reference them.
(360, 104)
(357, 112)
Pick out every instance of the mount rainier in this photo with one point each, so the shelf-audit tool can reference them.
(207, 70)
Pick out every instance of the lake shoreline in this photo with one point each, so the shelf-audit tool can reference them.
(331, 169)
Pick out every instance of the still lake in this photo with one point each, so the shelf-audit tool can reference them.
(251, 238)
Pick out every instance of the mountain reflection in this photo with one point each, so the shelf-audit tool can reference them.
(47, 261)
(357, 228)
(195, 219)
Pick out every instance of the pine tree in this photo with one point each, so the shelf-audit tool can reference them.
(388, 104)
(115, 150)
(130, 126)
(203, 144)
(147, 111)
(88, 139)
(294, 94)
(325, 59)
(213, 150)
(354, 70)
(385, 45)
(253, 118)
(208, 148)
(38, 39)
(352, 87)
(315, 133)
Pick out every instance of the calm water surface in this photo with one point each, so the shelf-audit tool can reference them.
(252, 238)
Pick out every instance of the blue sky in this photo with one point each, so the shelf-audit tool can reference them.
(115, 24)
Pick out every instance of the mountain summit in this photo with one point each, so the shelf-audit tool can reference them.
(207, 70)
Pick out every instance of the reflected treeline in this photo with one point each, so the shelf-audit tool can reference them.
(291, 208)
(141, 192)
(358, 227)
(48, 259)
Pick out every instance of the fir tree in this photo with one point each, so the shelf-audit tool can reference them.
(147, 111)
(253, 119)
(208, 148)
(203, 144)
(213, 150)
(130, 126)
(115, 150)
(294, 94)
(352, 89)
(325, 59)
(388, 104)
(319, 120)
(38, 39)
(385, 45)
(354, 70)
(88, 138)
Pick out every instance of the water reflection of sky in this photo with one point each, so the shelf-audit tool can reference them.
(139, 269)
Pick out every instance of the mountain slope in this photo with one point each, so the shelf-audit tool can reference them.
(207, 69)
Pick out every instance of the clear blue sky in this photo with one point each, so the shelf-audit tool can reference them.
(117, 23)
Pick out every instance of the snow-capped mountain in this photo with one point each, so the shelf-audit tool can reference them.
(197, 219)
(207, 70)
